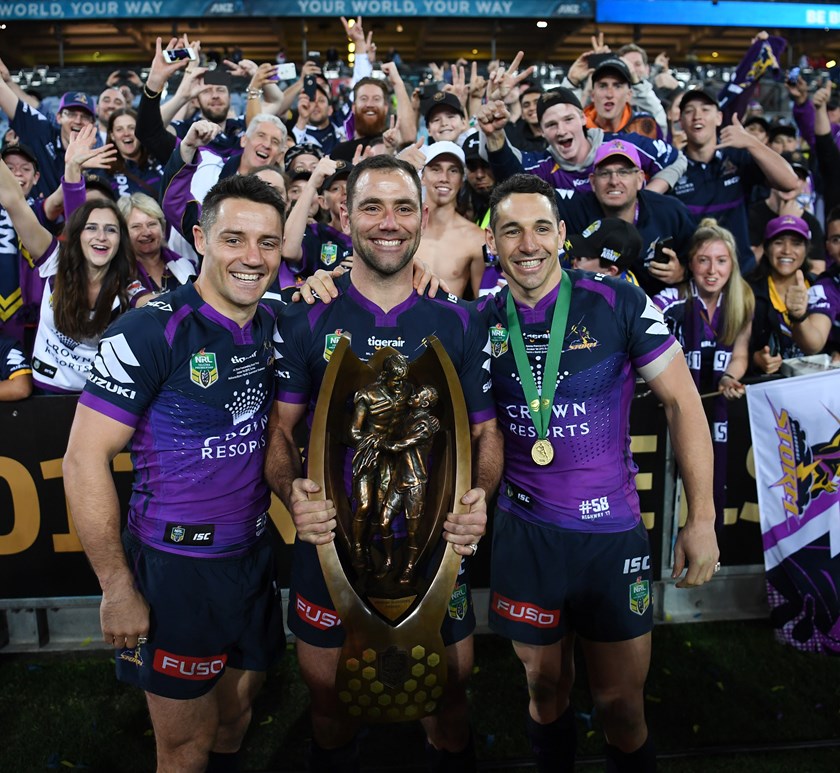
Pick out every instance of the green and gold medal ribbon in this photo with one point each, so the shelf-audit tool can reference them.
(539, 404)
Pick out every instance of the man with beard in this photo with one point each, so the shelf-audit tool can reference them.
(369, 121)
(451, 245)
(157, 130)
(571, 147)
(376, 301)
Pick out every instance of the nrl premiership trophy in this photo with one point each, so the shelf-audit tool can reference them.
(403, 430)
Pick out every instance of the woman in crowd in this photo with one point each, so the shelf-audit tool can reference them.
(90, 280)
(134, 170)
(786, 243)
(159, 268)
(711, 317)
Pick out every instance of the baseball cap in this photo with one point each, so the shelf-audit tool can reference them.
(302, 149)
(616, 64)
(617, 148)
(77, 99)
(21, 150)
(609, 238)
(700, 95)
(441, 99)
(799, 164)
(561, 96)
(342, 172)
(787, 224)
(444, 148)
(470, 147)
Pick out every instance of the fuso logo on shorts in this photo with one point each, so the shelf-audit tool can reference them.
(183, 667)
(520, 612)
(319, 617)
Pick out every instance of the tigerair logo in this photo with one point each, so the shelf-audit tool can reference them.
(203, 369)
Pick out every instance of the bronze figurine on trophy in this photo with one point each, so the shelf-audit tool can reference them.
(403, 430)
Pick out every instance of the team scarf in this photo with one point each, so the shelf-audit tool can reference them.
(697, 329)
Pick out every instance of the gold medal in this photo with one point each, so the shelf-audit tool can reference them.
(542, 452)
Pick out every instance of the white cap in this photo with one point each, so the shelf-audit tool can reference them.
(444, 148)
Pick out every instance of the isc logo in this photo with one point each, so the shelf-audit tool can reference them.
(203, 536)
(633, 565)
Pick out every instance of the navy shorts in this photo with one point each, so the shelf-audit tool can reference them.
(205, 614)
(546, 582)
(312, 615)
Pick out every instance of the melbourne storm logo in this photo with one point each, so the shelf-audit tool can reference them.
(808, 470)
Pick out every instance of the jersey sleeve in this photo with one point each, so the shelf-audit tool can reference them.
(13, 362)
(824, 298)
(130, 366)
(291, 369)
(475, 371)
(648, 336)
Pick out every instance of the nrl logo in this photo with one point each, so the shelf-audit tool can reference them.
(203, 370)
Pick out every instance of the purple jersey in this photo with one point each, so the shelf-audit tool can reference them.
(824, 298)
(613, 327)
(308, 334)
(197, 389)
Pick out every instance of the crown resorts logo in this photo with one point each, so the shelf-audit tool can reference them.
(246, 402)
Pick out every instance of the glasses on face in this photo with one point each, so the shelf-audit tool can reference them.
(77, 115)
(606, 174)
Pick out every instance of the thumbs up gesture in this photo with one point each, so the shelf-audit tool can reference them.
(796, 298)
(735, 135)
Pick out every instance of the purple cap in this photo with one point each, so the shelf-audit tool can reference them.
(787, 224)
(78, 99)
(618, 148)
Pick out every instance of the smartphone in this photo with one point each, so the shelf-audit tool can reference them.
(658, 255)
(172, 55)
(596, 60)
(377, 73)
(310, 86)
(330, 75)
(314, 56)
(284, 72)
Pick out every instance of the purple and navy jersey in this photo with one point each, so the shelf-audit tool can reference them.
(568, 179)
(43, 136)
(13, 362)
(721, 189)
(197, 390)
(136, 179)
(307, 336)
(323, 247)
(613, 329)
(824, 298)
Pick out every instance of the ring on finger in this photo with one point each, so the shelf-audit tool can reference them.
(474, 547)
(717, 567)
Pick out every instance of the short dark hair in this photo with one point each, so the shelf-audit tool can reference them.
(238, 186)
(368, 81)
(380, 163)
(832, 216)
(521, 183)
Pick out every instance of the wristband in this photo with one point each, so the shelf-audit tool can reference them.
(797, 320)
(254, 93)
(151, 94)
(727, 375)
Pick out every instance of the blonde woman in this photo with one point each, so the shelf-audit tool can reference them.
(711, 316)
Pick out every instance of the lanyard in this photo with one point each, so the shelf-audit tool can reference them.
(540, 403)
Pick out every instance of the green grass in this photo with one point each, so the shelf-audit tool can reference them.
(711, 685)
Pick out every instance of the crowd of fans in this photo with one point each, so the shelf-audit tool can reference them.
(680, 188)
